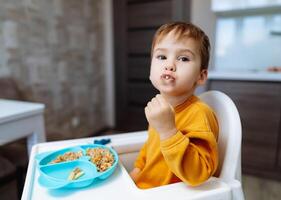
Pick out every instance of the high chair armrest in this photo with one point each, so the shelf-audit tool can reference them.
(213, 189)
(236, 190)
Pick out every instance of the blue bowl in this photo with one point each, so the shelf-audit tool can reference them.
(55, 175)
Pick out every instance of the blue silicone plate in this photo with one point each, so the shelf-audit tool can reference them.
(55, 175)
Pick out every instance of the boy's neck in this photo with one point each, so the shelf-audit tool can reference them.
(177, 100)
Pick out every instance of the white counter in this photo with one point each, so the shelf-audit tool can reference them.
(245, 75)
(21, 119)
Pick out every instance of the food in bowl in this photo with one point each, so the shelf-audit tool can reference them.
(67, 156)
(101, 157)
(75, 174)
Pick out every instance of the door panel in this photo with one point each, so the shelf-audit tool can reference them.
(158, 12)
(140, 93)
(138, 69)
(139, 41)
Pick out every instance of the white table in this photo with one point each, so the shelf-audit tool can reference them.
(119, 185)
(21, 119)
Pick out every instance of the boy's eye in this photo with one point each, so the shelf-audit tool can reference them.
(184, 58)
(161, 57)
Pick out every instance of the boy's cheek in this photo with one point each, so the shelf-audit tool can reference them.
(152, 75)
(153, 80)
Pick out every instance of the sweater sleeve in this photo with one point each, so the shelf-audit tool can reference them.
(191, 155)
(140, 161)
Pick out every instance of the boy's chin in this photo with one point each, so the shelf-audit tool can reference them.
(173, 92)
(168, 92)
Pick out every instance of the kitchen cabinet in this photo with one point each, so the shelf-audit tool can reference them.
(259, 106)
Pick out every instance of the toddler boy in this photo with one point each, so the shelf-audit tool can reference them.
(183, 131)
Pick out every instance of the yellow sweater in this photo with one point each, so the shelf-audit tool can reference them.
(191, 155)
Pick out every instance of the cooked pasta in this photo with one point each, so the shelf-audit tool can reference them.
(75, 174)
(102, 158)
(68, 156)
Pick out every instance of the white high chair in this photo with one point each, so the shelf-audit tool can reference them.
(229, 142)
(230, 137)
(227, 186)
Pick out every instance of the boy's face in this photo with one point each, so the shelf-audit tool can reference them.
(175, 66)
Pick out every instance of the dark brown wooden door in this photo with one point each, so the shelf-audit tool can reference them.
(135, 22)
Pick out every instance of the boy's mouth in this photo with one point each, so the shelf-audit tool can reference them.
(167, 77)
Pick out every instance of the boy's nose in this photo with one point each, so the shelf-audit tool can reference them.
(170, 68)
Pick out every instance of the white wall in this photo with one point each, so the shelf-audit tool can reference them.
(202, 16)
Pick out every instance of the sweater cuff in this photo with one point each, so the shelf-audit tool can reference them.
(138, 165)
(171, 141)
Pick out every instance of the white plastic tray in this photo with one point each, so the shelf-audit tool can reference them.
(119, 185)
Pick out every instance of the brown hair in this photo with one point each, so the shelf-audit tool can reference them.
(181, 30)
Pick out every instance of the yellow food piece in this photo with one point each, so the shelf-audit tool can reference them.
(75, 174)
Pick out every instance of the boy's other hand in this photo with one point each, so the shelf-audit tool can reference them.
(134, 174)
(161, 116)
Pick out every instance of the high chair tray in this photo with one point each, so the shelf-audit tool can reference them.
(118, 185)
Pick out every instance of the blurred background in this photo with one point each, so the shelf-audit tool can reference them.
(88, 62)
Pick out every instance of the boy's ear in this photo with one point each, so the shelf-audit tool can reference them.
(202, 77)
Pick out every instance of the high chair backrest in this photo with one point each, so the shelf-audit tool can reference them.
(230, 134)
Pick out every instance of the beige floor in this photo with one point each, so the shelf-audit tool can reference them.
(261, 189)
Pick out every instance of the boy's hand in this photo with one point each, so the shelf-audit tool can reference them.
(160, 115)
